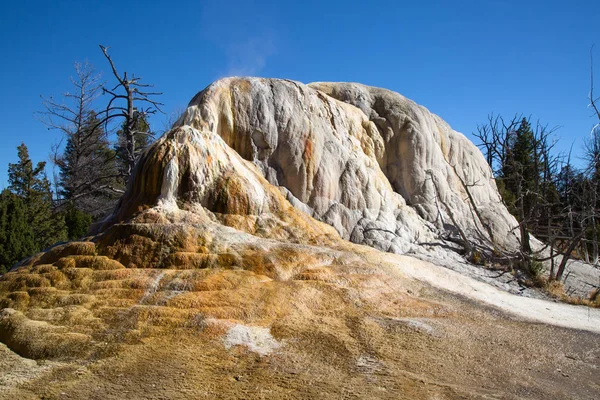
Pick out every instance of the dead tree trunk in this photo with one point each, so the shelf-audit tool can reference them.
(130, 95)
(469, 250)
(474, 206)
(566, 256)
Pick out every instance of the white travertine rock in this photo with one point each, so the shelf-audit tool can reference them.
(416, 141)
(360, 167)
(380, 169)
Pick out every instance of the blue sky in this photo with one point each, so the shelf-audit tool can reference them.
(462, 59)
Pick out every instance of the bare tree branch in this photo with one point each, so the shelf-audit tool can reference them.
(130, 102)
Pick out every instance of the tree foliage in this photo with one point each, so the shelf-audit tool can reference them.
(88, 175)
(526, 171)
(28, 220)
(77, 223)
(89, 178)
(16, 235)
(32, 186)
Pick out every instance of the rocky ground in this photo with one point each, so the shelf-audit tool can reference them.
(423, 343)
(580, 280)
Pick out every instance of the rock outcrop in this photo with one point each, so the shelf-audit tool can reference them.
(268, 177)
(436, 170)
(260, 182)
(380, 169)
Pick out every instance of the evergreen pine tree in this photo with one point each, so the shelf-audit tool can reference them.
(16, 235)
(520, 175)
(77, 223)
(520, 170)
(88, 174)
(32, 186)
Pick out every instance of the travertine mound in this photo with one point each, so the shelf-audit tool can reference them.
(418, 146)
(381, 170)
(264, 178)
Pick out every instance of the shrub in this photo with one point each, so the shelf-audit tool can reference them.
(77, 223)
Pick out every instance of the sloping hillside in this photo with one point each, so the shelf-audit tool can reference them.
(244, 261)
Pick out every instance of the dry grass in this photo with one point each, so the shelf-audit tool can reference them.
(557, 290)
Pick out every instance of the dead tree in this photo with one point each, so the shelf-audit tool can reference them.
(129, 102)
(475, 210)
(494, 139)
(560, 208)
(67, 115)
(465, 241)
(87, 175)
(593, 100)
(526, 169)
(592, 156)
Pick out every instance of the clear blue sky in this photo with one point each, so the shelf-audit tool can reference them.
(461, 59)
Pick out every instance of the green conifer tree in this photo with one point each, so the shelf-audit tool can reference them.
(32, 186)
(520, 178)
(16, 236)
(88, 174)
(519, 172)
(77, 223)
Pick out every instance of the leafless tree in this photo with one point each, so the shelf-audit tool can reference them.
(533, 197)
(494, 139)
(86, 164)
(68, 113)
(593, 100)
(592, 157)
(171, 119)
(130, 102)
(464, 238)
